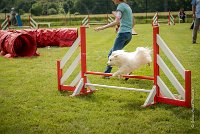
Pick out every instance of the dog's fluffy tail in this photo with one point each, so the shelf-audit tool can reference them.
(144, 53)
(144, 49)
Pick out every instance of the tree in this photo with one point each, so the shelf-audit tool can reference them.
(52, 11)
(24, 5)
(68, 6)
(95, 6)
(36, 9)
(84, 6)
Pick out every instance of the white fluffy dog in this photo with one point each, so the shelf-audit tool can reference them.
(129, 61)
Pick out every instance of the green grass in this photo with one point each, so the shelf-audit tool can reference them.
(31, 103)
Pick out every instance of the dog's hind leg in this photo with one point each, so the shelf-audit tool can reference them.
(128, 74)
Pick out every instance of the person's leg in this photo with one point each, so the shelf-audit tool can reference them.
(121, 41)
(195, 29)
(183, 19)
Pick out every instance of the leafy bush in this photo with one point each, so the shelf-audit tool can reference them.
(52, 11)
(21, 12)
(53, 5)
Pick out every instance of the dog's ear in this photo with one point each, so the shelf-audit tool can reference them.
(115, 56)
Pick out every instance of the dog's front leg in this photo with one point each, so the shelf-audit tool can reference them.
(118, 73)
(122, 70)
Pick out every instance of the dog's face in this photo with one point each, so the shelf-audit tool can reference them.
(114, 60)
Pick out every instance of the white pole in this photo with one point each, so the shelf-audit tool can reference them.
(123, 88)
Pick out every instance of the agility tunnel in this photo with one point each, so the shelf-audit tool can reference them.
(13, 44)
(24, 43)
(63, 37)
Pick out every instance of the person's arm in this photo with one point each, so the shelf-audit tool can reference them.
(115, 22)
(107, 26)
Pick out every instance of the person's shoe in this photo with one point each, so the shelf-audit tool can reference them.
(193, 42)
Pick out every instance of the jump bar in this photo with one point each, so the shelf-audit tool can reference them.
(125, 76)
(124, 88)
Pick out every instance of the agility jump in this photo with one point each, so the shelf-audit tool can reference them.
(87, 21)
(5, 24)
(37, 25)
(156, 21)
(159, 93)
(32, 24)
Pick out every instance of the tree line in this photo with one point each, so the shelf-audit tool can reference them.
(49, 7)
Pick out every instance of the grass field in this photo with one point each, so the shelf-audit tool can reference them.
(31, 103)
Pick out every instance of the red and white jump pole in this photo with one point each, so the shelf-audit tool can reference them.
(170, 19)
(159, 92)
(186, 74)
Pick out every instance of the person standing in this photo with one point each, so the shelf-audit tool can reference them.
(182, 15)
(13, 17)
(196, 16)
(123, 18)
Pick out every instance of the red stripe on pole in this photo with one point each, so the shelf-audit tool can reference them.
(156, 67)
(188, 88)
(59, 74)
(83, 56)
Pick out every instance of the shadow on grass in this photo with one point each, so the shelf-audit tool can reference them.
(179, 112)
(65, 93)
(68, 93)
(133, 100)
